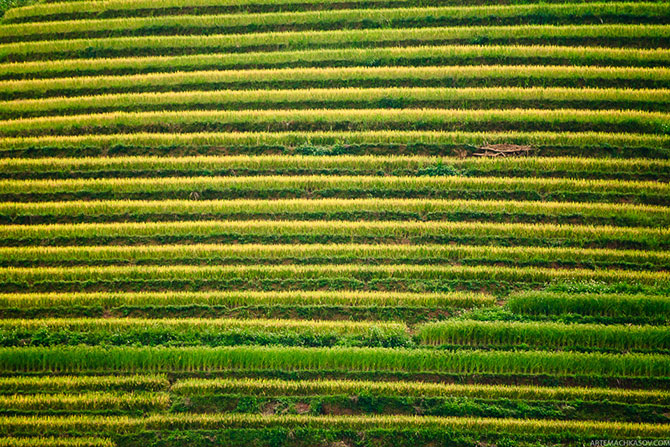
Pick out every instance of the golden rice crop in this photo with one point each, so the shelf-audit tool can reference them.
(412, 231)
(275, 387)
(224, 324)
(360, 164)
(55, 442)
(249, 298)
(413, 55)
(360, 273)
(425, 16)
(343, 183)
(56, 384)
(326, 253)
(85, 401)
(546, 34)
(365, 98)
(123, 424)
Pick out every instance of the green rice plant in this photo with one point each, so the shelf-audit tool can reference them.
(124, 424)
(348, 119)
(345, 209)
(277, 388)
(612, 12)
(339, 232)
(361, 98)
(604, 305)
(652, 36)
(121, 166)
(55, 442)
(85, 402)
(404, 277)
(76, 384)
(412, 56)
(150, 359)
(545, 335)
(206, 254)
(232, 299)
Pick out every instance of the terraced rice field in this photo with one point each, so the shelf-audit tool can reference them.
(334, 223)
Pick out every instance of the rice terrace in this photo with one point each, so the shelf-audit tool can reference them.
(334, 223)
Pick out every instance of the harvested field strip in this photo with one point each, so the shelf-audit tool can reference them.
(636, 36)
(614, 121)
(609, 305)
(90, 359)
(330, 77)
(195, 387)
(331, 254)
(62, 384)
(404, 277)
(124, 167)
(361, 98)
(626, 145)
(575, 13)
(85, 402)
(139, 8)
(545, 335)
(605, 58)
(270, 187)
(247, 298)
(343, 209)
(339, 231)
